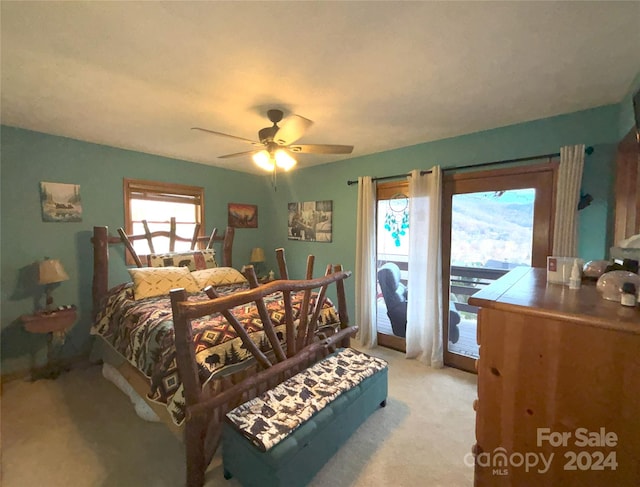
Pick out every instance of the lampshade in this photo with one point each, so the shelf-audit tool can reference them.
(257, 255)
(268, 160)
(51, 271)
(284, 160)
(263, 160)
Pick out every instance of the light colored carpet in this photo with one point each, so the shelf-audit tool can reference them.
(79, 430)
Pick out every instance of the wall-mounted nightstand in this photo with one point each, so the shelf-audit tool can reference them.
(53, 322)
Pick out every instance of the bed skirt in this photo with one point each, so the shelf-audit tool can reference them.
(131, 382)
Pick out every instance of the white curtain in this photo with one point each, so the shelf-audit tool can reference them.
(565, 227)
(424, 309)
(366, 262)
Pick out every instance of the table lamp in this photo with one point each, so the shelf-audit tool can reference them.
(257, 257)
(50, 273)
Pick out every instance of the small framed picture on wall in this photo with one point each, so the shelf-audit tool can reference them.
(311, 221)
(242, 215)
(60, 202)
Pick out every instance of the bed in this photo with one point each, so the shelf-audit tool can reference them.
(201, 349)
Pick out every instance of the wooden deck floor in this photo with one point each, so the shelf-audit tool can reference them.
(466, 344)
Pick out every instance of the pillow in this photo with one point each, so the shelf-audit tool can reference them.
(218, 276)
(158, 281)
(194, 259)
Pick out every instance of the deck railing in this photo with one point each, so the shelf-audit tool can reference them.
(466, 281)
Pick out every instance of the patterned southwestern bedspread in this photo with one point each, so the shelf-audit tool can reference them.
(142, 332)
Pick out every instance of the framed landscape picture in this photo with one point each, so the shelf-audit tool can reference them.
(311, 221)
(60, 202)
(242, 215)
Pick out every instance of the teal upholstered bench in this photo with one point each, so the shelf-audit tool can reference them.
(285, 436)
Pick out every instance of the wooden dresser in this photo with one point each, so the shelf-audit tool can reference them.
(558, 386)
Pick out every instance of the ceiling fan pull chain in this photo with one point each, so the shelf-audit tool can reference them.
(275, 177)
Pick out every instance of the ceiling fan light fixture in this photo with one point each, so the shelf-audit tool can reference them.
(263, 160)
(276, 142)
(284, 160)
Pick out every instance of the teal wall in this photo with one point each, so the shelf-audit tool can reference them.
(29, 158)
(626, 118)
(596, 127)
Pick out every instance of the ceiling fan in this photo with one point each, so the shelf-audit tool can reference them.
(275, 145)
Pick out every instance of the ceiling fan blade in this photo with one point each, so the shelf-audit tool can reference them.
(293, 127)
(226, 135)
(239, 154)
(321, 149)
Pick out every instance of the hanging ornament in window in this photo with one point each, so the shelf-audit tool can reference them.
(396, 220)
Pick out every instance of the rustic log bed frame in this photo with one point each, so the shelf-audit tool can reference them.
(206, 408)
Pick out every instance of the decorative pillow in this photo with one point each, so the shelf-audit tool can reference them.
(158, 281)
(218, 276)
(194, 259)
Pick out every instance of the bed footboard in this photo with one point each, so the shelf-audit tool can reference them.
(205, 412)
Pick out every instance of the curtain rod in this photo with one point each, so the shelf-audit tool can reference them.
(588, 151)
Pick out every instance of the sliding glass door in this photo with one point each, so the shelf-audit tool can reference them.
(493, 221)
(392, 263)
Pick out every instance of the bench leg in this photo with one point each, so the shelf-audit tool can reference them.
(227, 474)
(383, 404)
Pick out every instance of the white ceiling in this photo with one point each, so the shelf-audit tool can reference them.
(378, 75)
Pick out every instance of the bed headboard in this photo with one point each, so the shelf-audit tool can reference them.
(101, 241)
(196, 241)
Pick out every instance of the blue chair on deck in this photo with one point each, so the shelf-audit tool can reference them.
(395, 296)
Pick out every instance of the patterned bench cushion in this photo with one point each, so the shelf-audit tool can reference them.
(272, 416)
